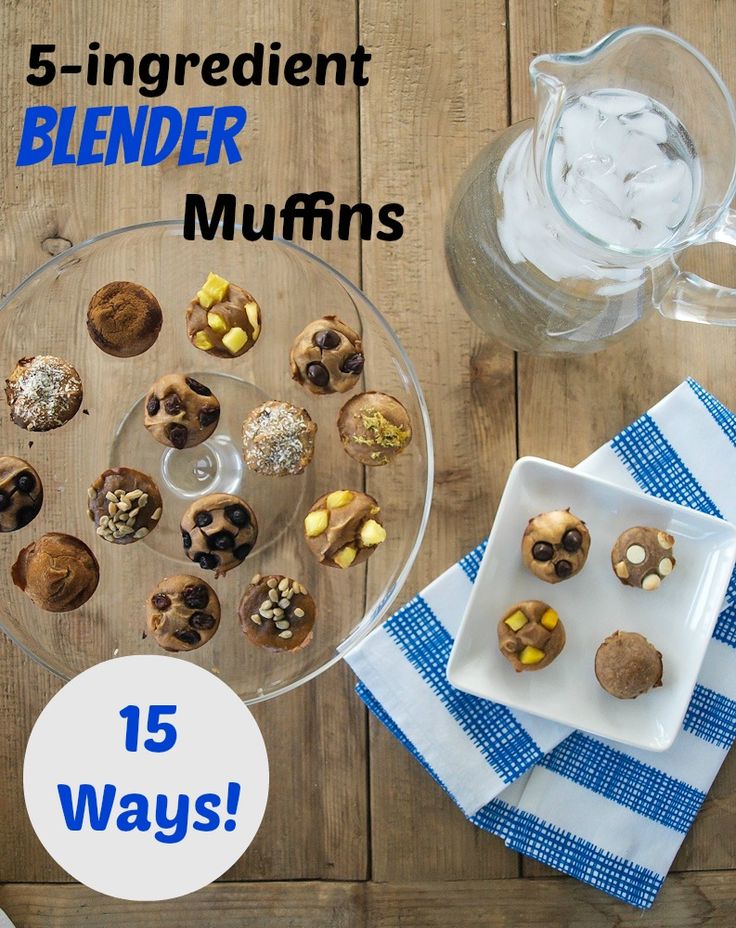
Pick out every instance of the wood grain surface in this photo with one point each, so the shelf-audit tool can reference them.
(356, 834)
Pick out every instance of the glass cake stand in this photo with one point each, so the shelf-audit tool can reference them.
(46, 314)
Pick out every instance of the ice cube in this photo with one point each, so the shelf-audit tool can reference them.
(605, 193)
(647, 123)
(616, 104)
(577, 125)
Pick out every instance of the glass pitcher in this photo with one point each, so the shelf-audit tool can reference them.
(567, 228)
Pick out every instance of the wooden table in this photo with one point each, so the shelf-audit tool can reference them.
(358, 835)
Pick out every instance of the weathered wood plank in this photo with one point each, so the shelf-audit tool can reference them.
(692, 900)
(316, 824)
(436, 95)
(570, 407)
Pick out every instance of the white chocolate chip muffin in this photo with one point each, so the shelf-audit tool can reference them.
(642, 557)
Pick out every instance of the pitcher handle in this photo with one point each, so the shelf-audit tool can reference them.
(693, 299)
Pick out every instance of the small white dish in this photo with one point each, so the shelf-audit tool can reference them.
(678, 618)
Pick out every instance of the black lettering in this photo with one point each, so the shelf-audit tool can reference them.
(338, 59)
(360, 58)
(93, 64)
(153, 71)
(346, 217)
(308, 211)
(253, 59)
(273, 64)
(111, 62)
(213, 64)
(386, 215)
(180, 66)
(195, 213)
(37, 63)
(267, 229)
(296, 64)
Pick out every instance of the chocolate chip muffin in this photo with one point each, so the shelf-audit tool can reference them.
(342, 528)
(218, 532)
(555, 545)
(180, 411)
(182, 613)
(124, 319)
(125, 505)
(223, 319)
(21, 493)
(374, 428)
(43, 393)
(531, 635)
(58, 572)
(327, 357)
(277, 613)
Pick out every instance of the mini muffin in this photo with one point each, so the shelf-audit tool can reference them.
(327, 357)
(21, 493)
(124, 504)
(278, 439)
(223, 319)
(43, 393)
(555, 545)
(642, 557)
(182, 613)
(218, 532)
(277, 613)
(124, 319)
(627, 665)
(58, 572)
(530, 635)
(374, 428)
(342, 528)
(180, 411)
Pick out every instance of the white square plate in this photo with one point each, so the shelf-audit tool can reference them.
(678, 618)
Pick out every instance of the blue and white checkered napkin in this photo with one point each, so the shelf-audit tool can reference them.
(609, 815)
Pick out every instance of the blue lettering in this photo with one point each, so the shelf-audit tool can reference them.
(223, 136)
(159, 114)
(74, 815)
(205, 806)
(37, 126)
(193, 134)
(178, 822)
(91, 134)
(62, 155)
(125, 134)
(136, 818)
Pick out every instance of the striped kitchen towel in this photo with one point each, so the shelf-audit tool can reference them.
(609, 815)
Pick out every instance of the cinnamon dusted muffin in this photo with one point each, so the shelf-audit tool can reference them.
(627, 665)
(43, 393)
(58, 572)
(124, 319)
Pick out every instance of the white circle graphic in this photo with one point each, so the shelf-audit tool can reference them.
(146, 778)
